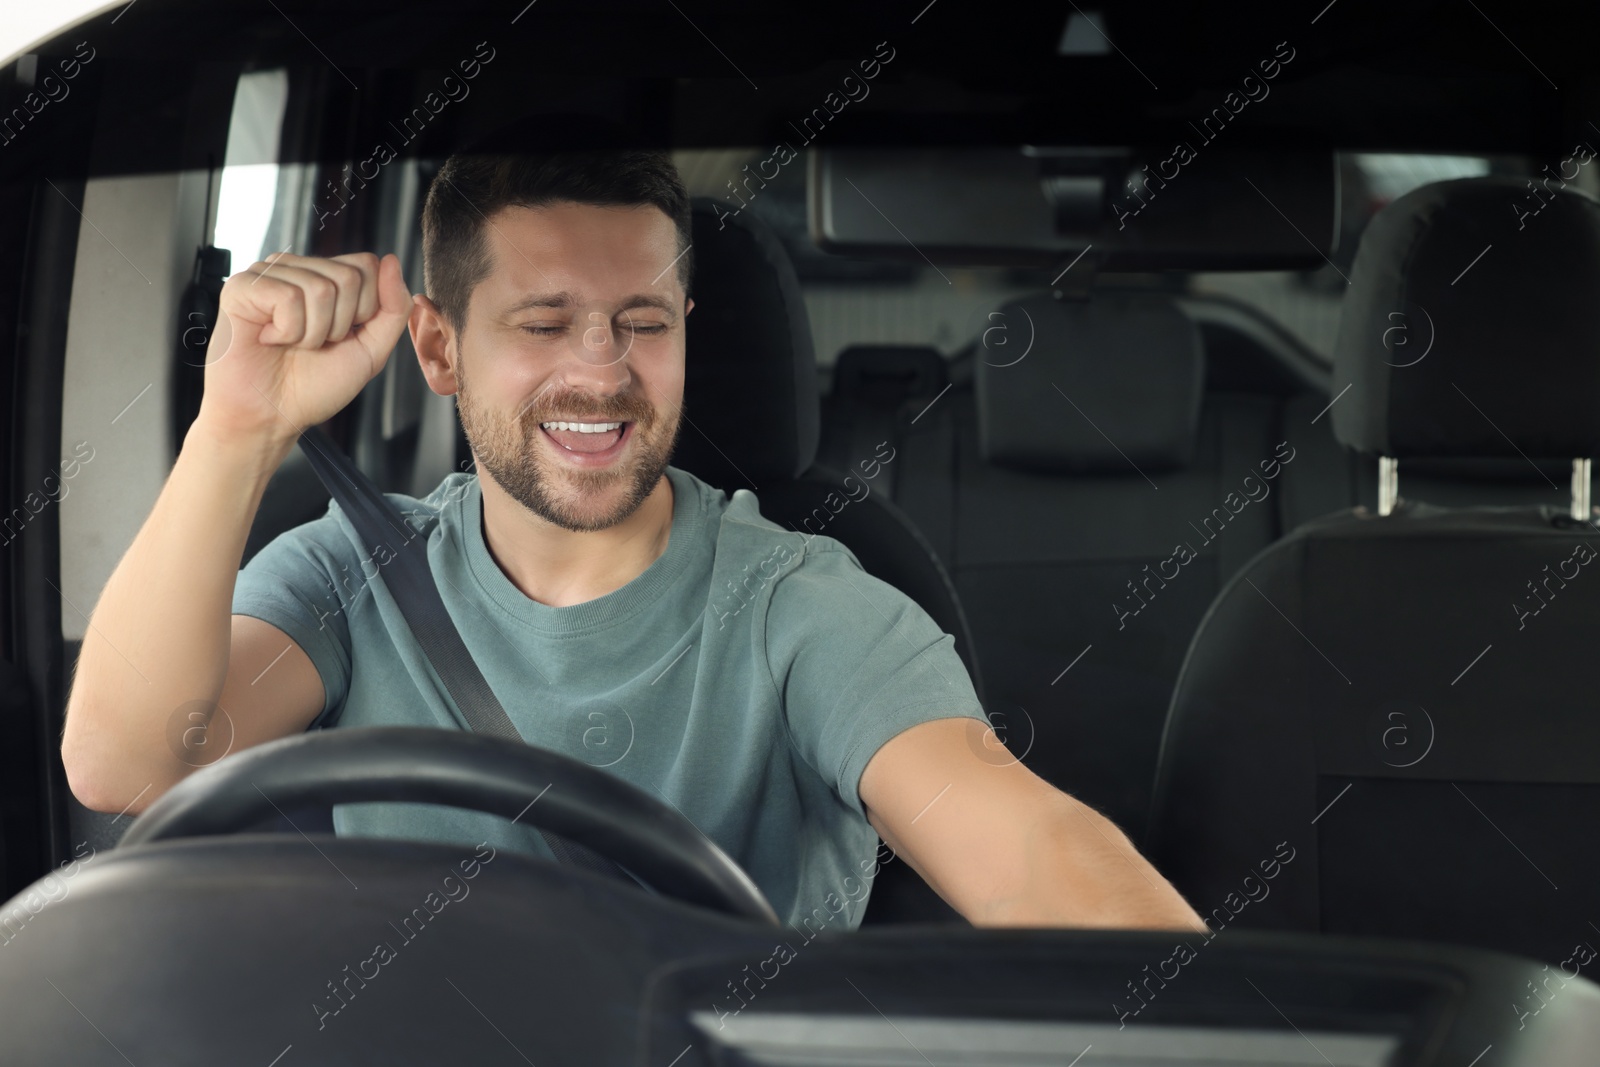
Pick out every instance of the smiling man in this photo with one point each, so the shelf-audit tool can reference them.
(583, 571)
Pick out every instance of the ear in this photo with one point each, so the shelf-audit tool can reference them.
(434, 340)
(688, 308)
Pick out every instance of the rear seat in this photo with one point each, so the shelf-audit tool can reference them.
(1040, 555)
(872, 387)
(1047, 527)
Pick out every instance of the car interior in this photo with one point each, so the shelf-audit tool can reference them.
(1242, 477)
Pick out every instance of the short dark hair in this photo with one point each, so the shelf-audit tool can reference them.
(470, 188)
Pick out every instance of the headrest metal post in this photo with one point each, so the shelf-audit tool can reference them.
(1580, 489)
(1388, 484)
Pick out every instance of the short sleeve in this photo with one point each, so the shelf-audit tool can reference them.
(857, 662)
(306, 582)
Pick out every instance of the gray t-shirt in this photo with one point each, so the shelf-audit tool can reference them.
(745, 678)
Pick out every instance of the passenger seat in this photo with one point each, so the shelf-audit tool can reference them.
(1404, 702)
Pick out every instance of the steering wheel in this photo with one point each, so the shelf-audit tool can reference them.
(613, 817)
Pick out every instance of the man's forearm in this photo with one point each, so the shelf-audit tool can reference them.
(1079, 870)
(159, 635)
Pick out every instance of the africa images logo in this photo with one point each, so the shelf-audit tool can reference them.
(50, 90)
(1251, 89)
(1185, 953)
(785, 153)
(411, 926)
(1255, 490)
(784, 952)
(1409, 335)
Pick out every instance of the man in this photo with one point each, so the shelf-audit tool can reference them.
(625, 612)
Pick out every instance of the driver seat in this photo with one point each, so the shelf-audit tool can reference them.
(752, 420)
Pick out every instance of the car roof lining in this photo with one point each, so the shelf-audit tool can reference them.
(1438, 77)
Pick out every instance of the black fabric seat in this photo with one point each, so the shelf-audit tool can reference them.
(1054, 488)
(752, 421)
(1404, 702)
(875, 389)
(752, 417)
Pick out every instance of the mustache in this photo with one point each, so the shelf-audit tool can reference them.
(575, 407)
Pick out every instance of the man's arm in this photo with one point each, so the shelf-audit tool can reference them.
(295, 341)
(1002, 846)
(163, 650)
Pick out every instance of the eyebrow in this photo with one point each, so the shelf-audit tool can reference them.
(565, 300)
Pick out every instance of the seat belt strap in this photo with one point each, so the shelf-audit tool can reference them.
(409, 580)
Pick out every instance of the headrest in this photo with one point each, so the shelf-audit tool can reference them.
(1469, 327)
(884, 375)
(1107, 385)
(751, 408)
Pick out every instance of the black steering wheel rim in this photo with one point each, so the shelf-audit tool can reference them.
(598, 810)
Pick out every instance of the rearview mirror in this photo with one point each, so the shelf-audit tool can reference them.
(1184, 208)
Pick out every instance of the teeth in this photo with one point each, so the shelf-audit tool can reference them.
(582, 427)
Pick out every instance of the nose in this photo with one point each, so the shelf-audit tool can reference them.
(594, 341)
(599, 364)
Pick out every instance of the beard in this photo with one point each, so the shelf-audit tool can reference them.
(578, 500)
